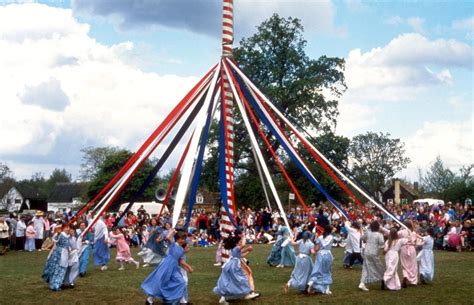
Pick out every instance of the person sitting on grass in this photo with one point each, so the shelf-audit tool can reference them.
(234, 282)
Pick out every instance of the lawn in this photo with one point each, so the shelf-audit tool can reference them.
(20, 282)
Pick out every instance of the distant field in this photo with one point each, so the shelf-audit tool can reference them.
(20, 282)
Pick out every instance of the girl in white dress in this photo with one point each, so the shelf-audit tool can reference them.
(426, 258)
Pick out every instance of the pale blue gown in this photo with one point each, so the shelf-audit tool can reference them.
(303, 266)
(166, 281)
(321, 276)
(426, 259)
(282, 255)
(233, 282)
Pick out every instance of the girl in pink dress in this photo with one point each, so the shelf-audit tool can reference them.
(391, 249)
(408, 255)
(123, 250)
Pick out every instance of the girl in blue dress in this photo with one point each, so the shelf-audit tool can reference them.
(283, 252)
(57, 263)
(233, 283)
(166, 281)
(303, 266)
(321, 276)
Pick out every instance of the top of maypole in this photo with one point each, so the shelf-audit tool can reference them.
(227, 27)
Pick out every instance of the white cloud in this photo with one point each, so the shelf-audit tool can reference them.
(463, 24)
(48, 95)
(404, 68)
(415, 23)
(408, 67)
(108, 100)
(452, 141)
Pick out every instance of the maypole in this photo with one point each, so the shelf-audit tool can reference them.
(227, 186)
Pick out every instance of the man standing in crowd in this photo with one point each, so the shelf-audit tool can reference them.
(12, 221)
(20, 234)
(39, 225)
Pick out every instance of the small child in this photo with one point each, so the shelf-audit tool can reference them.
(426, 259)
(30, 237)
(123, 250)
(391, 250)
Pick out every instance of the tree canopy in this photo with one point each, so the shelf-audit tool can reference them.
(376, 158)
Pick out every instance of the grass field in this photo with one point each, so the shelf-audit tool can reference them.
(20, 282)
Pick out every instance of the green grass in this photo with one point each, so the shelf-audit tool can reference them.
(20, 282)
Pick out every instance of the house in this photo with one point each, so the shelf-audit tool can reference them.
(400, 192)
(65, 196)
(23, 197)
(207, 201)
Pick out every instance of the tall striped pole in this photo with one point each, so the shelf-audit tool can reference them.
(227, 107)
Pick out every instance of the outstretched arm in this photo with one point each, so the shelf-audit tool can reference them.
(185, 266)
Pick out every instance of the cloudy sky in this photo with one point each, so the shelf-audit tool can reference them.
(99, 72)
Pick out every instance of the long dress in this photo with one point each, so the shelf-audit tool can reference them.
(101, 248)
(57, 263)
(372, 267)
(283, 252)
(84, 252)
(233, 282)
(390, 277)
(321, 276)
(72, 270)
(408, 256)
(153, 251)
(123, 249)
(303, 266)
(166, 281)
(426, 259)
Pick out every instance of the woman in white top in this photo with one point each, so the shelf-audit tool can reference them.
(392, 249)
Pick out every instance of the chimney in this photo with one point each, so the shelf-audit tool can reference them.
(396, 191)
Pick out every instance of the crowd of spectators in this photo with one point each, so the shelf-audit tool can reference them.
(452, 224)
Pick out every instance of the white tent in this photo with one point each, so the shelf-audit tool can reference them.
(430, 201)
(152, 208)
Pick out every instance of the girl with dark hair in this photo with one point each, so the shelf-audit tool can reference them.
(321, 276)
(166, 281)
(391, 249)
(233, 283)
(426, 258)
(372, 268)
(303, 266)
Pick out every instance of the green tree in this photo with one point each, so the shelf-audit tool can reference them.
(275, 59)
(5, 171)
(375, 158)
(57, 176)
(111, 165)
(440, 182)
(92, 158)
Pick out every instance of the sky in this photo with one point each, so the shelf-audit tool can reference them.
(88, 73)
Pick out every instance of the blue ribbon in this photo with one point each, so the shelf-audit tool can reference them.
(292, 155)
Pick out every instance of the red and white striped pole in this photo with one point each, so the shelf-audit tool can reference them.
(228, 104)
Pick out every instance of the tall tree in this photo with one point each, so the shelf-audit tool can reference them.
(438, 178)
(275, 59)
(92, 158)
(112, 163)
(375, 158)
(4, 171)
(58, 176)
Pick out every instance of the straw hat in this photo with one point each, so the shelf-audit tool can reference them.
(39, 213)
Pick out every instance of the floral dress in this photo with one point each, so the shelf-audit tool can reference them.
(57, 263)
